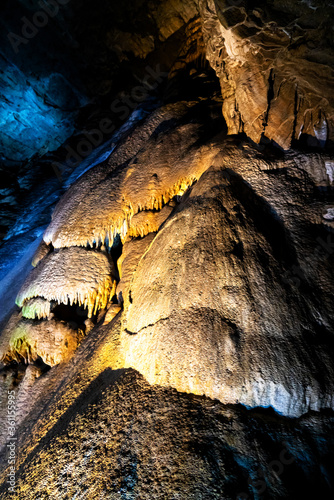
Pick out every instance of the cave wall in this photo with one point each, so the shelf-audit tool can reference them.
(173, 334)
(275, 65)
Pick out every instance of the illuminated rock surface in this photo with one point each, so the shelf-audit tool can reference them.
(133, 250)
(108, 433)
(213, 307)
(275, 65)
(174, 339)
(148, 221)
(50, 341)
(74, 276)
(165, 167)
(230, 299)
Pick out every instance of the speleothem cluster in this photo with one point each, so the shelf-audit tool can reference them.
(128, 196)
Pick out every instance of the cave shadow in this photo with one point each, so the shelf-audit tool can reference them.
(300, 287)
(309, 144)
(270, 225)
(207, 114)
(263, 216)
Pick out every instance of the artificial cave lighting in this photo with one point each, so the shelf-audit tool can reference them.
(166, 250)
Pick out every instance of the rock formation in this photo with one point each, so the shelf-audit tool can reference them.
(74, 276)
(174, 338)
(213, 287)
(275, 65)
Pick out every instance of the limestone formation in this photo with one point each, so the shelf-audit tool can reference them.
(111, 313)
(214, 306)
(42, 250)
(148, 221)
(74, 276)
(170, 162)
(133, 250)
(177, 446)
(27, 341)
(174, 339)
(36, 308)
(275, 65)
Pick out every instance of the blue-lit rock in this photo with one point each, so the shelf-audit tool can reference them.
(36, 115)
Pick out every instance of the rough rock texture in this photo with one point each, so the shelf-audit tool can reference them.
(111, 313)
(133, 250)
(21, 379)
(212, 377)
(148, 221)
(29, 341)
(104, 432)
(42, 250)
(36, 308)
(74, 276)
(213, 307)
(231, 269)
(170, 162)
(276, 67)
(60, 82)
(212, 460)
(84, 52)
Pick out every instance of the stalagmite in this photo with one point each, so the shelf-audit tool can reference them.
(73, 275)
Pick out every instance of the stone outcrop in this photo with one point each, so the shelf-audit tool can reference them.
(275, 66)
(227, 300)
(175, 336)
(29, 341)
(219, 305)
(221, 294)
(145, 178)
(125, 439)
(70, 276)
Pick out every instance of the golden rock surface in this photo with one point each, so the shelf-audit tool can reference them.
(226, 311)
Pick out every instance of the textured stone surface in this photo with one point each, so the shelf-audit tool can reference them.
(225, 259)
(215, 306)
(174, 156)
(234, 267)
(221, 300)
(82, 53)
(133, 250)
(42, 250)
(74, 276)
(275, 65)
(107, 433)
(148, 221)
(62, 81)
(27, 341)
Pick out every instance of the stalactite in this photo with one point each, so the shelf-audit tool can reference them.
(75, 276)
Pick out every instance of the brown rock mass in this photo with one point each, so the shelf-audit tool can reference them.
(275, 65)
